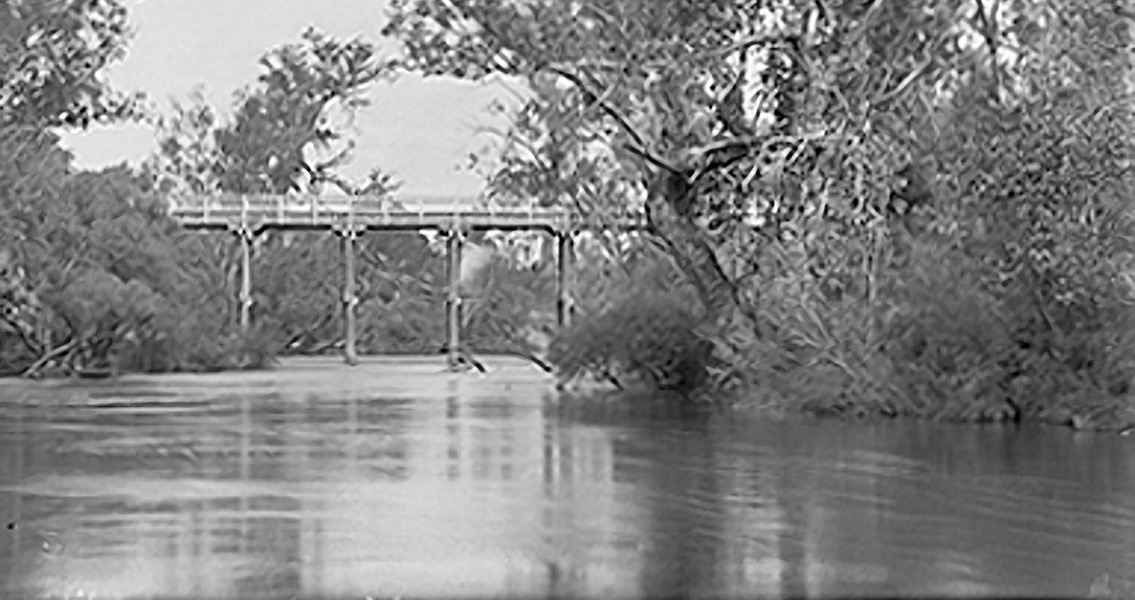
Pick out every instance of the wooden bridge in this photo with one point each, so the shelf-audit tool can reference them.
(248, 216)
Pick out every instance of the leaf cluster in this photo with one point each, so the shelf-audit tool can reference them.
(51, 58)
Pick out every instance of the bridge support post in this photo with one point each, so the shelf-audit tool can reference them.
(347, 238)
(246, 236)
(565, 278)
(453, 300)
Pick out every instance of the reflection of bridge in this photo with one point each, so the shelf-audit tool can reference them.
(249, 215)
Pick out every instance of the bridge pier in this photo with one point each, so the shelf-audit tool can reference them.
(350, 300)
(565, 278)
(246, 237)
(454, 245)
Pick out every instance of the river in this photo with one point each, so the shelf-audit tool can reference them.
(393, 479)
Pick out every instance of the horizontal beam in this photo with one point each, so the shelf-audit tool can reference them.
(259, 212)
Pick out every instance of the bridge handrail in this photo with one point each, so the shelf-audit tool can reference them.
(363, 206)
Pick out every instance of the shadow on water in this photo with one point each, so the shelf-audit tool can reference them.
(394, 479)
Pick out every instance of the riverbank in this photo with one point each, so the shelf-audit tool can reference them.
(309, 374)
(293, 370)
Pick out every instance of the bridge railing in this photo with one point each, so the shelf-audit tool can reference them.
(259, 211)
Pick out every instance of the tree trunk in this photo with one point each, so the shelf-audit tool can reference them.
(668, 214)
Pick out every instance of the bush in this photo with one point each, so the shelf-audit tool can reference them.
(648, 334)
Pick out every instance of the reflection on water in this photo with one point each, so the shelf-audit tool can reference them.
(318, 481)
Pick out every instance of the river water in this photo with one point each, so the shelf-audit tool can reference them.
(317, 480)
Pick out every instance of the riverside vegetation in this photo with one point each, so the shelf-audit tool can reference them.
(898, 209)
(884, 208)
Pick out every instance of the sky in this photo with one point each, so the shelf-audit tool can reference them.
(419, 130)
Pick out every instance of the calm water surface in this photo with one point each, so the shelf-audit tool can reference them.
(392, 479)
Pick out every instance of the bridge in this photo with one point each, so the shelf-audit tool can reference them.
(249, 215)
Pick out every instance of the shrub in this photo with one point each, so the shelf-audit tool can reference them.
(650, 334)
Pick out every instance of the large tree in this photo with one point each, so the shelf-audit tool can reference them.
(52, 58)
(283, 135)
(289, 132)
(721, 117)
(785, 144)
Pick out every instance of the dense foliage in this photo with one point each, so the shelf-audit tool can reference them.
(53, 55)
(101, 276)
(90, 268)
(95, 277)
(884, 207)
(856, 207)
(645, 330)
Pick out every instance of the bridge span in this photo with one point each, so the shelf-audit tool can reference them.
(249, 215)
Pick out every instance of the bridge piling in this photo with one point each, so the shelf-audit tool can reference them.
(350, 300)
(246, 237)
(453, 299)
(565, 279)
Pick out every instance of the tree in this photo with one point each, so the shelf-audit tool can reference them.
(1045, 208)
(794, 156)
(51, 58)
(281, 138)
(278, 125)
(663, 102)
(291, 132)
(52, 55)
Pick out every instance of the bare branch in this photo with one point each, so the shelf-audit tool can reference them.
(607, 108)
(703, 153)
(638, 148)
(867, 18)
(43, 360)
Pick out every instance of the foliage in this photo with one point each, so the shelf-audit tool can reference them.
(98, 278)
(272, 143)
(51, 58)
(644, 333)
(289, 133)
(106, 272)
(96, 275)
(922, 204)
(279, 126)
(1033, 207)
(863, 207)
(77, 280)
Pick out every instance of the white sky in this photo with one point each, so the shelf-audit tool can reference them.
(421, 131)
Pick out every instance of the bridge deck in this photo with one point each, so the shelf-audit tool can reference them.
(257, 212)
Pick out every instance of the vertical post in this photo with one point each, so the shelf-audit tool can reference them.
(565, 265)
(453, 300)
(350, 299)
(246, 237)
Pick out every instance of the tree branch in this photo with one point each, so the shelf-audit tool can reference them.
(639, 147)
(43, 360)
(990, 33)
(739, 46)
(904, 84)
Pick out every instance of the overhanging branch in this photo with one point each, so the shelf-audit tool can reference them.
(639, 147)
